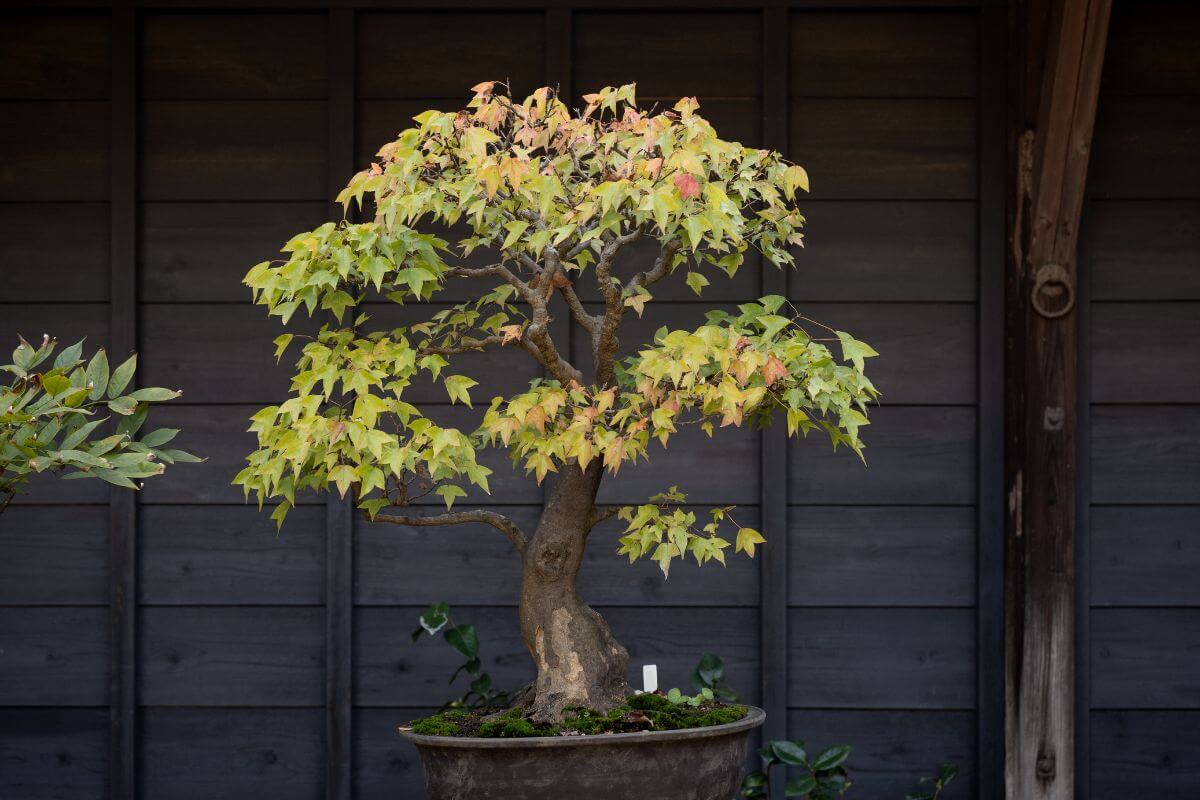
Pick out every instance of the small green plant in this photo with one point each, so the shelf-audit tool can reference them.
(946, 773)
(50, 420)
(465, 640)
(677, 697)
(710, 674)
(822, 778)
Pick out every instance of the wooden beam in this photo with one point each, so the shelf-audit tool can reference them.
(1051, 161)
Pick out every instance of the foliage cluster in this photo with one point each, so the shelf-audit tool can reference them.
(50, 420)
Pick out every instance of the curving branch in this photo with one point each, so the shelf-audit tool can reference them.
(497, 521)
(601, 514)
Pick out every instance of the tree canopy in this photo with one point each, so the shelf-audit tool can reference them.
(555, 195)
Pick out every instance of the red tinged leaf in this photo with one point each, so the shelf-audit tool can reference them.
(688, 186)
(773, 370)
(483, 89)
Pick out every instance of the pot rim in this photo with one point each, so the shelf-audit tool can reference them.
(755, 716)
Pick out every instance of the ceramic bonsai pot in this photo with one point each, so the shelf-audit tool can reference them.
(691, 764)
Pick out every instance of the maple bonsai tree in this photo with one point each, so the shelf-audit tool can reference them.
(557, 196)
(51, 413)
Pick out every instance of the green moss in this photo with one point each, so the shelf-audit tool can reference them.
(645, 712)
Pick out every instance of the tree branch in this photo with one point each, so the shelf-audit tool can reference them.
(586, 321)
(601, 514)
(497, 521)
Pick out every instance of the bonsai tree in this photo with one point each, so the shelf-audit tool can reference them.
(50, 420)
(557, 196)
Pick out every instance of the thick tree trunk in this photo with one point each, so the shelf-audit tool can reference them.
(579, 663)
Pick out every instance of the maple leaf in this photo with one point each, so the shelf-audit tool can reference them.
(773, 370)
(483, 89)
(511, 332)
(688, 186)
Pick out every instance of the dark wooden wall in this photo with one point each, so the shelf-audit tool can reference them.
(873, 618)
(1141, 263)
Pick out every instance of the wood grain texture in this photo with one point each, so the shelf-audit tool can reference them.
(893, 750)
(1126, 370)
(223, 57)
(1152, 49)
(476, 565)
(53, 555)
(53, 656)
(54, 57)
(194, 555)
(199, 754)
(881, 658)
(1145, 147)
(883, 53)
(1143, 250)
(1145, 754)
(1145, 658)
(226, 150)
(882, 556)
(916, 455)
(402, 54)
(721, 58)
(199, 252)
(1145, 454)
(53, 753)
(34, 135)
(886, 251)
(390, 670)
(886, 149)
(32, 246)
(385, 765)
(1145, 556)
(231, 656)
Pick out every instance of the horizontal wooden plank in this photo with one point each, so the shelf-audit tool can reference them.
(391, 670)
(886, 148)
(53, 555)
(1144, 754)
(52, 753)
(218, 353)
(881, 658)
(883, 54)
(1145, 454)
(1145, 658)
(40, 264)
(60, 56)
(847, 556)
(1145, 352)
(1145, 555)
(892, 750)
(53, 656)
(669, 54)
(228, 150)
(235, 656)
(54, 151)
(199, 252)
(506, 46)
(189, 555)
(916, 455)
(1145, 147)
(385, 765)
(1142, 250)
(232, 56)
(199, 754)
(1152, 49)
(873, 250)
(475, 564)
(927, 350)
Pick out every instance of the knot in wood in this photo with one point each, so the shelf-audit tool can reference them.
(1046, 767)
(1054, 418)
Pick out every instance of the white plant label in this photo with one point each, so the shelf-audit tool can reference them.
(650, 678)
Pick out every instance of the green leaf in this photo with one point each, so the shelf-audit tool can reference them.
(123, 405)
(832, 758)
(798, 787)
(696, 281)
(855, 351)
(433, 620)
(463, 639)
(747, 538)
(159, 437)
(121, 376)
(449, 492)
(154, 395)
(97, 375)
(789, 752)
(457, 386)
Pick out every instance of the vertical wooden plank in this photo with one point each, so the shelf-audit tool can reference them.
(1083, 529)
(339, 554)
(773, 605)
(122, 508)
(989, 660)
(1041, 590)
